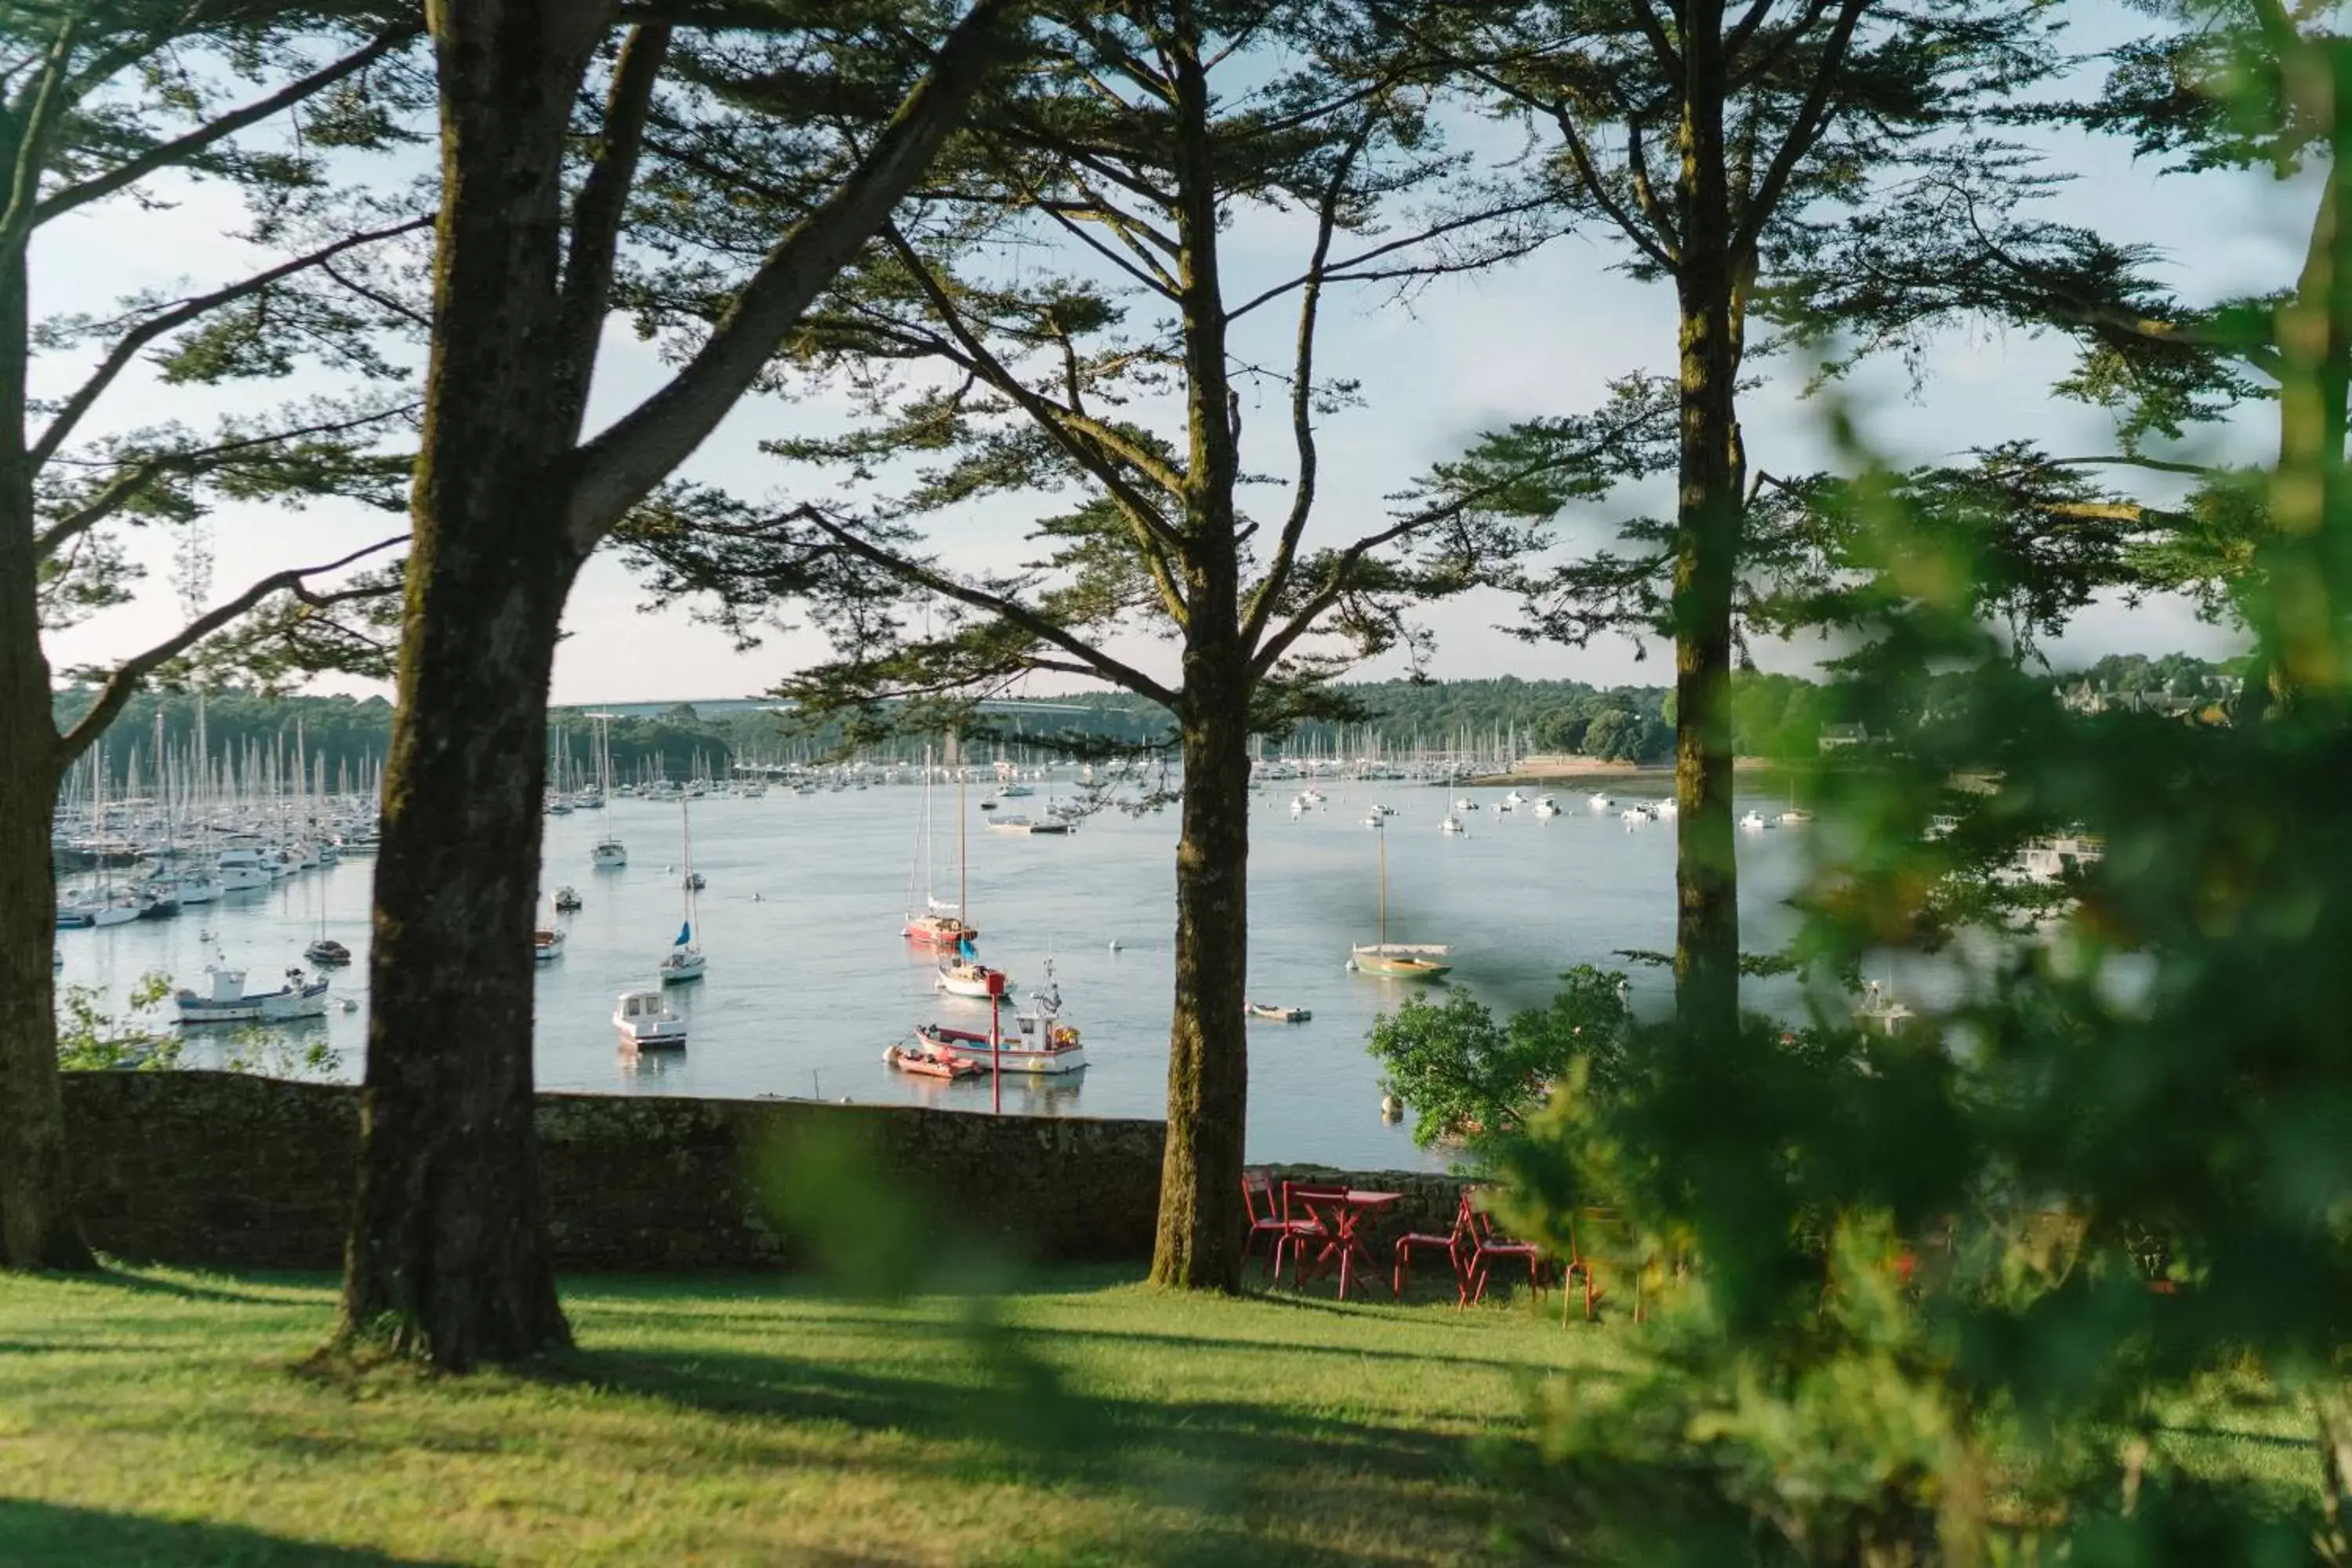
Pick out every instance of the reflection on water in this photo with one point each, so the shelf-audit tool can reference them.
(809, 978)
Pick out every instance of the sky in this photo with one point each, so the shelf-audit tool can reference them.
(1542, 336)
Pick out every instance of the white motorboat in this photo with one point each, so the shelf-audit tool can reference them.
(242, 866)
(1634, 813)
(1598, 800)
(546, 945)
(227, 1001)
(1515, 798)
(1754, 821)
(1546, 807)
(1026, 825)
(1452, 824)
(645, 1022)
(1669, 806)
(1795, 816)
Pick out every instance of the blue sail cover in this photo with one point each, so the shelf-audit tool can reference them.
(965, 950)
(685, 933)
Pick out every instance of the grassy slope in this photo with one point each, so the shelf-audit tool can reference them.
(160, 1417)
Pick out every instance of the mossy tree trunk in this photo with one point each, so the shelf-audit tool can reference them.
(1198, 1242)
(448, 1259)
(36, 1223)
(1706, 552)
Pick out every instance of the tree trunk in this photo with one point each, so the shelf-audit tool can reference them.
(449, 1257)
(1199, 1242)
(36, 1223)
(1706, 548)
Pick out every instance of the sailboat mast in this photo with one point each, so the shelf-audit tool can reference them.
(1384, 882)
(963, 856)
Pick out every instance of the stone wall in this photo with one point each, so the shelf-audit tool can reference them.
(230, 1170)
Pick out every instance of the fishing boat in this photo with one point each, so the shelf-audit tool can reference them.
(683, 961)
(931, 1061)
(1042, 1043)
(1397, 960)
(227, 1001)
(645, 1022)
(1278, 1014)
(567, 899)
(935, 927)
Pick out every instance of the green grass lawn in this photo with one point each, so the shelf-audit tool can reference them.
(160, 1415)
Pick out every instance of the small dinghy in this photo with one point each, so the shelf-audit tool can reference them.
(931, 1061)
(1278, 1014)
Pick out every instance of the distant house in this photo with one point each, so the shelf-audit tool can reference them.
(1836, 735)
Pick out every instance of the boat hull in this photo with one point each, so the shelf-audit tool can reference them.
(1006, 1056)
(266, 1008)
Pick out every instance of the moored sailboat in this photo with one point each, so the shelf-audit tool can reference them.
(683, 961)
(1398, 961)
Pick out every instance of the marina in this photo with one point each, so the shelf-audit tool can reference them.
(803, 922)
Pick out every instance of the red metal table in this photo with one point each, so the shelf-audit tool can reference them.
(1342, 1216)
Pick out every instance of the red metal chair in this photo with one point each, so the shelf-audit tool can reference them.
(1489, 1244)
(1265, 1217)
(1300, 1228)
(1451, 1243)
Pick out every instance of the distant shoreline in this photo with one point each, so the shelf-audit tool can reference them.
(1648, 777)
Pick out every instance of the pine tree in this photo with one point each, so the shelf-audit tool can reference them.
(1144, 132)
(100, 100)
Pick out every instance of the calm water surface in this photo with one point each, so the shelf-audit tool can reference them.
(810, 980)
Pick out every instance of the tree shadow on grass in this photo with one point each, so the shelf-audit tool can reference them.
(126, 1276)
(1234, 1468)
(34, 1534)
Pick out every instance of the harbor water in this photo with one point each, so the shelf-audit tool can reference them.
(809, 978)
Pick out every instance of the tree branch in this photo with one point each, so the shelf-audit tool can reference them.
(1302, 391)
(1803, 131)
(179, 151)
(1153, 537)
(1097, 662)
(623, 464)
(136, 669)
(604, 199)
(127, 347)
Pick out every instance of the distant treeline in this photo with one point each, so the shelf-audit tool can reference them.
(1773, 715)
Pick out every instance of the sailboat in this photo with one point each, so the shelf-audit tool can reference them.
(934, 926)
(1396, 960)
(684, 959)
(608, 853)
